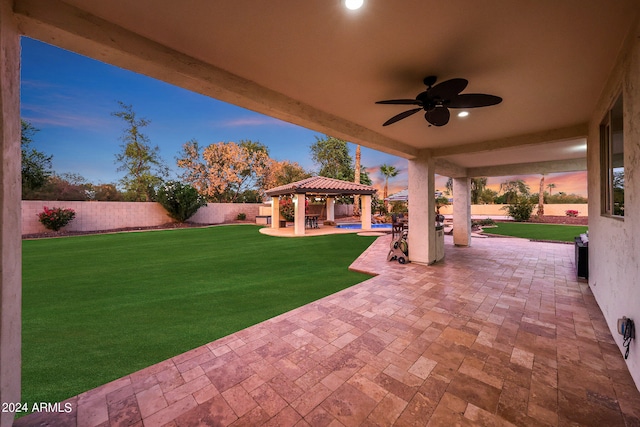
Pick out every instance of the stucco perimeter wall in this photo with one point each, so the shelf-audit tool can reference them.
(496, 210)
(217, 213)
(614, 243)
(94, 216)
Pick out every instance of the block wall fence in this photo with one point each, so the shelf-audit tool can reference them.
(496, 210)
(95, 216)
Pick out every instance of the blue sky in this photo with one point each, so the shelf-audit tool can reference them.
(70, 98)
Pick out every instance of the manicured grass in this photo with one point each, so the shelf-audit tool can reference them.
(555, 232)
(96, 308)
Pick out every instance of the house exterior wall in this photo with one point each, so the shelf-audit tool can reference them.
(614, 244)
(94, 216)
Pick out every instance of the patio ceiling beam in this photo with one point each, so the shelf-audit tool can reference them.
(68, 27)
(445, 167)
(553, 135)
(554, 166)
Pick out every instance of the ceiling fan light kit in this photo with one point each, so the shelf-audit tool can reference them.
(437, 100)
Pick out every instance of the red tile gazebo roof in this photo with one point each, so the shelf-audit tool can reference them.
(321, 185)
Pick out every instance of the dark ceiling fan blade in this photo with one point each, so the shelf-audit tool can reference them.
(473, 100)
(439, 116)
(448, 89)
(401, 102)
(401, 116)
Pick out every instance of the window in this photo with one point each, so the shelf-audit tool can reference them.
(612, 161)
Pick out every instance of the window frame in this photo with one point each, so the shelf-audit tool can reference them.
(611, 155)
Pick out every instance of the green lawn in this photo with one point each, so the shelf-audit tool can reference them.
(555, 232)
(96, 308)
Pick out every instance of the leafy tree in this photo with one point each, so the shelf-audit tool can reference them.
(561, 198)
(283, 172)
(388, 171)
(107, 193)
(332, 155)
(224, 170)
(144, 169)
(61, 187)
(36, 166)
(364, 176)
(488, 196)
(399, 207)
(449, 186)
(512, 189)
(181, 201)
(520, 206)
(478, 185)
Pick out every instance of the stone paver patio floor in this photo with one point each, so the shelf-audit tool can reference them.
(498, 334)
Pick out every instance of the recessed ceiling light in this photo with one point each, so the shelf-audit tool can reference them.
(463, 114)
(353, 4)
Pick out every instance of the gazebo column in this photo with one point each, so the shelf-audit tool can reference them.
(365, 219)
(299, 206)
(331, 211)
(422, 233)
(462, 211)
(275, 212)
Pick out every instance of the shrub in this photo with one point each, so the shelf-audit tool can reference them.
(287, 210)
(399, 207)
(180, 200)
(241, 216)
(483, 222)
(571, 212)
(520, 210)
(56, 218)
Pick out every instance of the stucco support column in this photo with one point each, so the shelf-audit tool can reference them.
(462, 211)
(299, 206)
(422, 210)
(331, 208)
(10, 216)
(365, 218)
(275, 212)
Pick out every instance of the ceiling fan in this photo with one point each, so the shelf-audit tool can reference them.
(437, 100)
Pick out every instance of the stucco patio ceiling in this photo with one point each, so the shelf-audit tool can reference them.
(318, 65)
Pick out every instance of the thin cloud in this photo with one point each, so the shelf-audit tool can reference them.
(50, 117)
(38, 84)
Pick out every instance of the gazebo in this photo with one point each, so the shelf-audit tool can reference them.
(329, 188)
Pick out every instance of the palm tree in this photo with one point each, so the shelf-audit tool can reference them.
(356, 179)
(541, 197)
(389, 172)
(551, 187)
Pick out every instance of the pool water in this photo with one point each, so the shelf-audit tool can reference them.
(359, 226)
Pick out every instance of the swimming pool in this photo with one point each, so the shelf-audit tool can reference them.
(359, 226)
